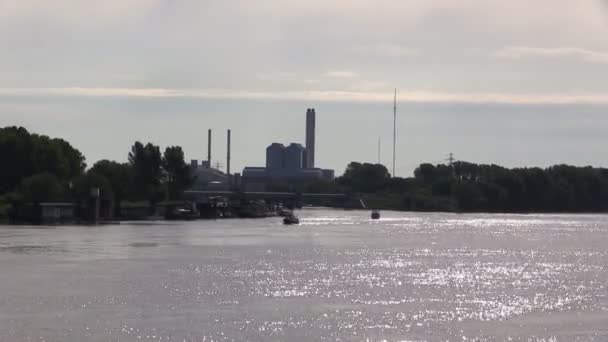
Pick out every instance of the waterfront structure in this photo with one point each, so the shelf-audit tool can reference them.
(43, 213)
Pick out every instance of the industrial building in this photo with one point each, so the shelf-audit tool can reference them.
(208, 178)
(287, 167)
(311, 127)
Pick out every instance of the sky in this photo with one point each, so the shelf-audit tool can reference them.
(516, 83)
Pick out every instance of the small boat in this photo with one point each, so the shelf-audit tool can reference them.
(291, 219)
(375, 215)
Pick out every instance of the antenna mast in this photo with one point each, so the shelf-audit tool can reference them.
(394, 130)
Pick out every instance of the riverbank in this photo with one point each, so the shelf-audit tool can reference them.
(413, 203)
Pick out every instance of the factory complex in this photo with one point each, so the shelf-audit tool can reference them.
(288, 167)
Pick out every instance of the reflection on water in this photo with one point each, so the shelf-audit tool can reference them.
(143, 244)
(339, 275)
(32, 249)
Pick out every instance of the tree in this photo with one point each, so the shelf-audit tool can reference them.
(23, 155)
(146, 162)
(426, 173)
(399, 185)
(177, 174)
(82, 186)
(74, 161)
(119, 177)
(41, 188)
(365, 178)
(321, 187)
(467, 186)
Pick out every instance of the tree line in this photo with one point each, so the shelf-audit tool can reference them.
(36, 168)
(470, 187)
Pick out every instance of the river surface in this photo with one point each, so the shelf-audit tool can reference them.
(337, 276)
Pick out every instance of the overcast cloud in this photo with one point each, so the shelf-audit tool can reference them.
(461, 52)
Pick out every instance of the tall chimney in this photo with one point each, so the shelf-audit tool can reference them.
(228, 155)
(310, 137)
(209, 148)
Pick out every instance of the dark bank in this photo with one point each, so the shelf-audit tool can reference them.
(45, 179)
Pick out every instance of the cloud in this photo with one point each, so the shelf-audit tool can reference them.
(386, 50)
(525, 52)
(324, 44)
(368, 86)
(416, 96)
(341, 74)
(278, 76)
(75, 12)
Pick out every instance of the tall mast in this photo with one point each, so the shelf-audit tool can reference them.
(394, 130)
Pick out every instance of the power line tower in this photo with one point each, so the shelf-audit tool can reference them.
(451, 159)
(451, 163)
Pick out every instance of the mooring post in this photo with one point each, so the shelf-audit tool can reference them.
(95, 194)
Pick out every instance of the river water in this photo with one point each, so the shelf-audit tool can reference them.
(337, 276)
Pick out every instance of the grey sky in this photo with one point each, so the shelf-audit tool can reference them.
(511, 82)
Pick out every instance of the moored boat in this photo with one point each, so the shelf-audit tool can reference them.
(291, 219)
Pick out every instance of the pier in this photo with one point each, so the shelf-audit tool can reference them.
(288, 198)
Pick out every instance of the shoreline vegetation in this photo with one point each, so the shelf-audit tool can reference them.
(466, 187)
(38, 169)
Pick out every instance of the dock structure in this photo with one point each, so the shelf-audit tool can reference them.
(337, 200)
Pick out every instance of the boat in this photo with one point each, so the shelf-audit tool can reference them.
(375, 215)
(291, 219)
(181, 211)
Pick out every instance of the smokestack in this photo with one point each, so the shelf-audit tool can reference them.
(310, 137)
(209, 147)
(228, 155)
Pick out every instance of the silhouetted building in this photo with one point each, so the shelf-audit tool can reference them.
(287, 168)
(43, 213)
(275, 156)
(310, 137)
(294, 157)
(207, 178)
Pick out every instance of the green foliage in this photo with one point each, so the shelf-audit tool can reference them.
(488, 188)
(4, 207)
(321, 187)
(23, 155)
(177, 174)
(119, 177)
(38, 168)
(39, 188)
(146, 162)
(81, 188)
(365, 178)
